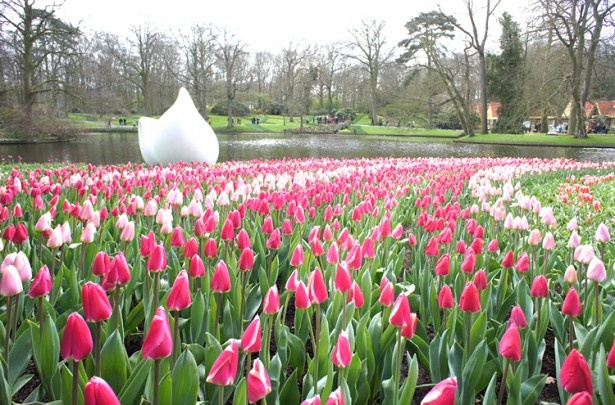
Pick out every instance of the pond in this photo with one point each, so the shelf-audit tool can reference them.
(101, 149)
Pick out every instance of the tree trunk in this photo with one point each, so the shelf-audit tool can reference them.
(483, 93)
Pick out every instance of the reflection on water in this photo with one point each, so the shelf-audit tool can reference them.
(122, 148)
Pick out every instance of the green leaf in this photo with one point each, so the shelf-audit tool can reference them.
(531, 388)
(604, 386)
(472, 373)
(241, 393)
(197, 316)
(490, 396)
(46, 350)
(20, 354)
(290, 391)
(5, 392)
(135, 383)
(185, 380)
(114, 364)
(409, 385)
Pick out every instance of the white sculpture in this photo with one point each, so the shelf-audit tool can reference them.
(180, 135)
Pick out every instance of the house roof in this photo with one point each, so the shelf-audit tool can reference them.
(492, 110)
(606, 108)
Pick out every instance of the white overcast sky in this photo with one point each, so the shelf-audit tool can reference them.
(269, 25)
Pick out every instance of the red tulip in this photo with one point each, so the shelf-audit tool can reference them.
(9, 233)
(409, 328)
(147, 244)
(243, 239)
(179, 297)
(117, 274)
(251, 341)
(443, 393)
(21, 234)
(246, 260)
(509, 260)
(227, 233)
(221, 280)
(101, 263)
(98, 392)
(575, 375)
(443, 265)
(76, 341)
(271, 302)
(157, 260)
(158, 342)
(540, 287)
(259, 384)
(343, 280)
(445, 298)
(41, 284)
(470, 299)
(400, 314)
(356, 295)
(469, 262)
(432, 247)
(224, 369)
(317, 288)
(572, 304)
(197, 267)
(581, 398)
(510, 345)
(477, 245)
(480, 280)
(610, 360)
(267, 226)
(387, 292)
(523, 263)
(302, 300)
(461, 247)
(191, 248)
(96, 306)
(275, 240)
(341, 354)
(517, 317)
(296, 259)
(211, 248)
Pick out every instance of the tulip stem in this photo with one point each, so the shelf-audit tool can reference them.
(218, 305)
(317, 345)
(40, 315)
(265, 348)
(156, 381)
(175, 338)
(570, 333)
(399, 354)
(7, 336)
(75, 393)
(539, 305)
(468, 334)
(314, 353)
(97, 342)
(596, 304)
(503, 382)
(156, 289)
(242, 308)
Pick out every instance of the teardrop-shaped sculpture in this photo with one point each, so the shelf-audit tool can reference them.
(180, 135)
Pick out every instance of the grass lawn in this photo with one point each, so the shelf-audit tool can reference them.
(544, 139)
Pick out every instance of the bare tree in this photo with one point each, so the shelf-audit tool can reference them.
(262, 68)
(290, 61)
(328, 66)
(578, 25)
(368, 42)
(232, 58)
(199, 53)
(478, 41)
(35, 34)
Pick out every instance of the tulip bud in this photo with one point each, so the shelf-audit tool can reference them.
(158, 342)
(445, 298)
(470, 299)
(432, 247)
(246, 260)
(220, 280)
(98, 392)
(356, 295)
(517, 317)
(523, 263)
(602, 234)
(302, 300)
(581, 398)
(224, 369)
(179, 297)
(197, 267)
(509, 260)
(570, 275)
(443, 393)
(572, 304)
(157, 260)
(480, 280)
(409, 328)
(596, 271)
(311, 401)
(42, 283)
(540, 287)
(400, 314)
(387, 292)
(341, 354)
(259, 384)
(271, 302)
(610, 361)
(96, 306)
(575, 375)
(251, 340)
(443, 265)
(343, 280)
(317, 288)
(76, 341)
(296, 259)
(336, 397)
(10, 282)
(510, 345)
(101, 263)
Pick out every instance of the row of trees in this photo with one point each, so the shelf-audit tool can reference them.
(563, 54)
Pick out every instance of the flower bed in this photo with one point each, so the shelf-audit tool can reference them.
(308, 281)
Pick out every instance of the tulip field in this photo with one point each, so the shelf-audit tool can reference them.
(312, 281)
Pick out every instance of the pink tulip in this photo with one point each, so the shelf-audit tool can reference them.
(98, 392)
(96, 306)
(157, 260)
(243, 239)
(409, 328)
(575, 375)
(311, 401)
(118, 273)
(570, 275)
(296, 259)
(76, 341)
(517, 317)
(221, 280)
(89, 232)
(356, 295)
(572, 304)
(101, 263)
(275, 240)
(548, 242)
(224, 369)
(480, 280)
(341, 354)
(10, 282)
(177, 237)
(191, 248)
(128, 232)
(540, 287)
(610, 361)
(246, 260)
(400, 314)
(55, 239)
(602, 234)
(179, 297)
(271, 302)
(534, 238)
(42, 283)
(158, 342)
(509, 260)
(432, 248)
(510, 344)
(596, 271)
(581, 398)
(293, 281)
(443, 265)
(197, 267)
(343, 280)
(445, 298)
(523, 263)
(317, 288)
(443, 393)
(259, 385)
(211, 248)
(251, 341)
(470, 299)
(354, 258)
(302, 300)
(387, 292)
(336, 397)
